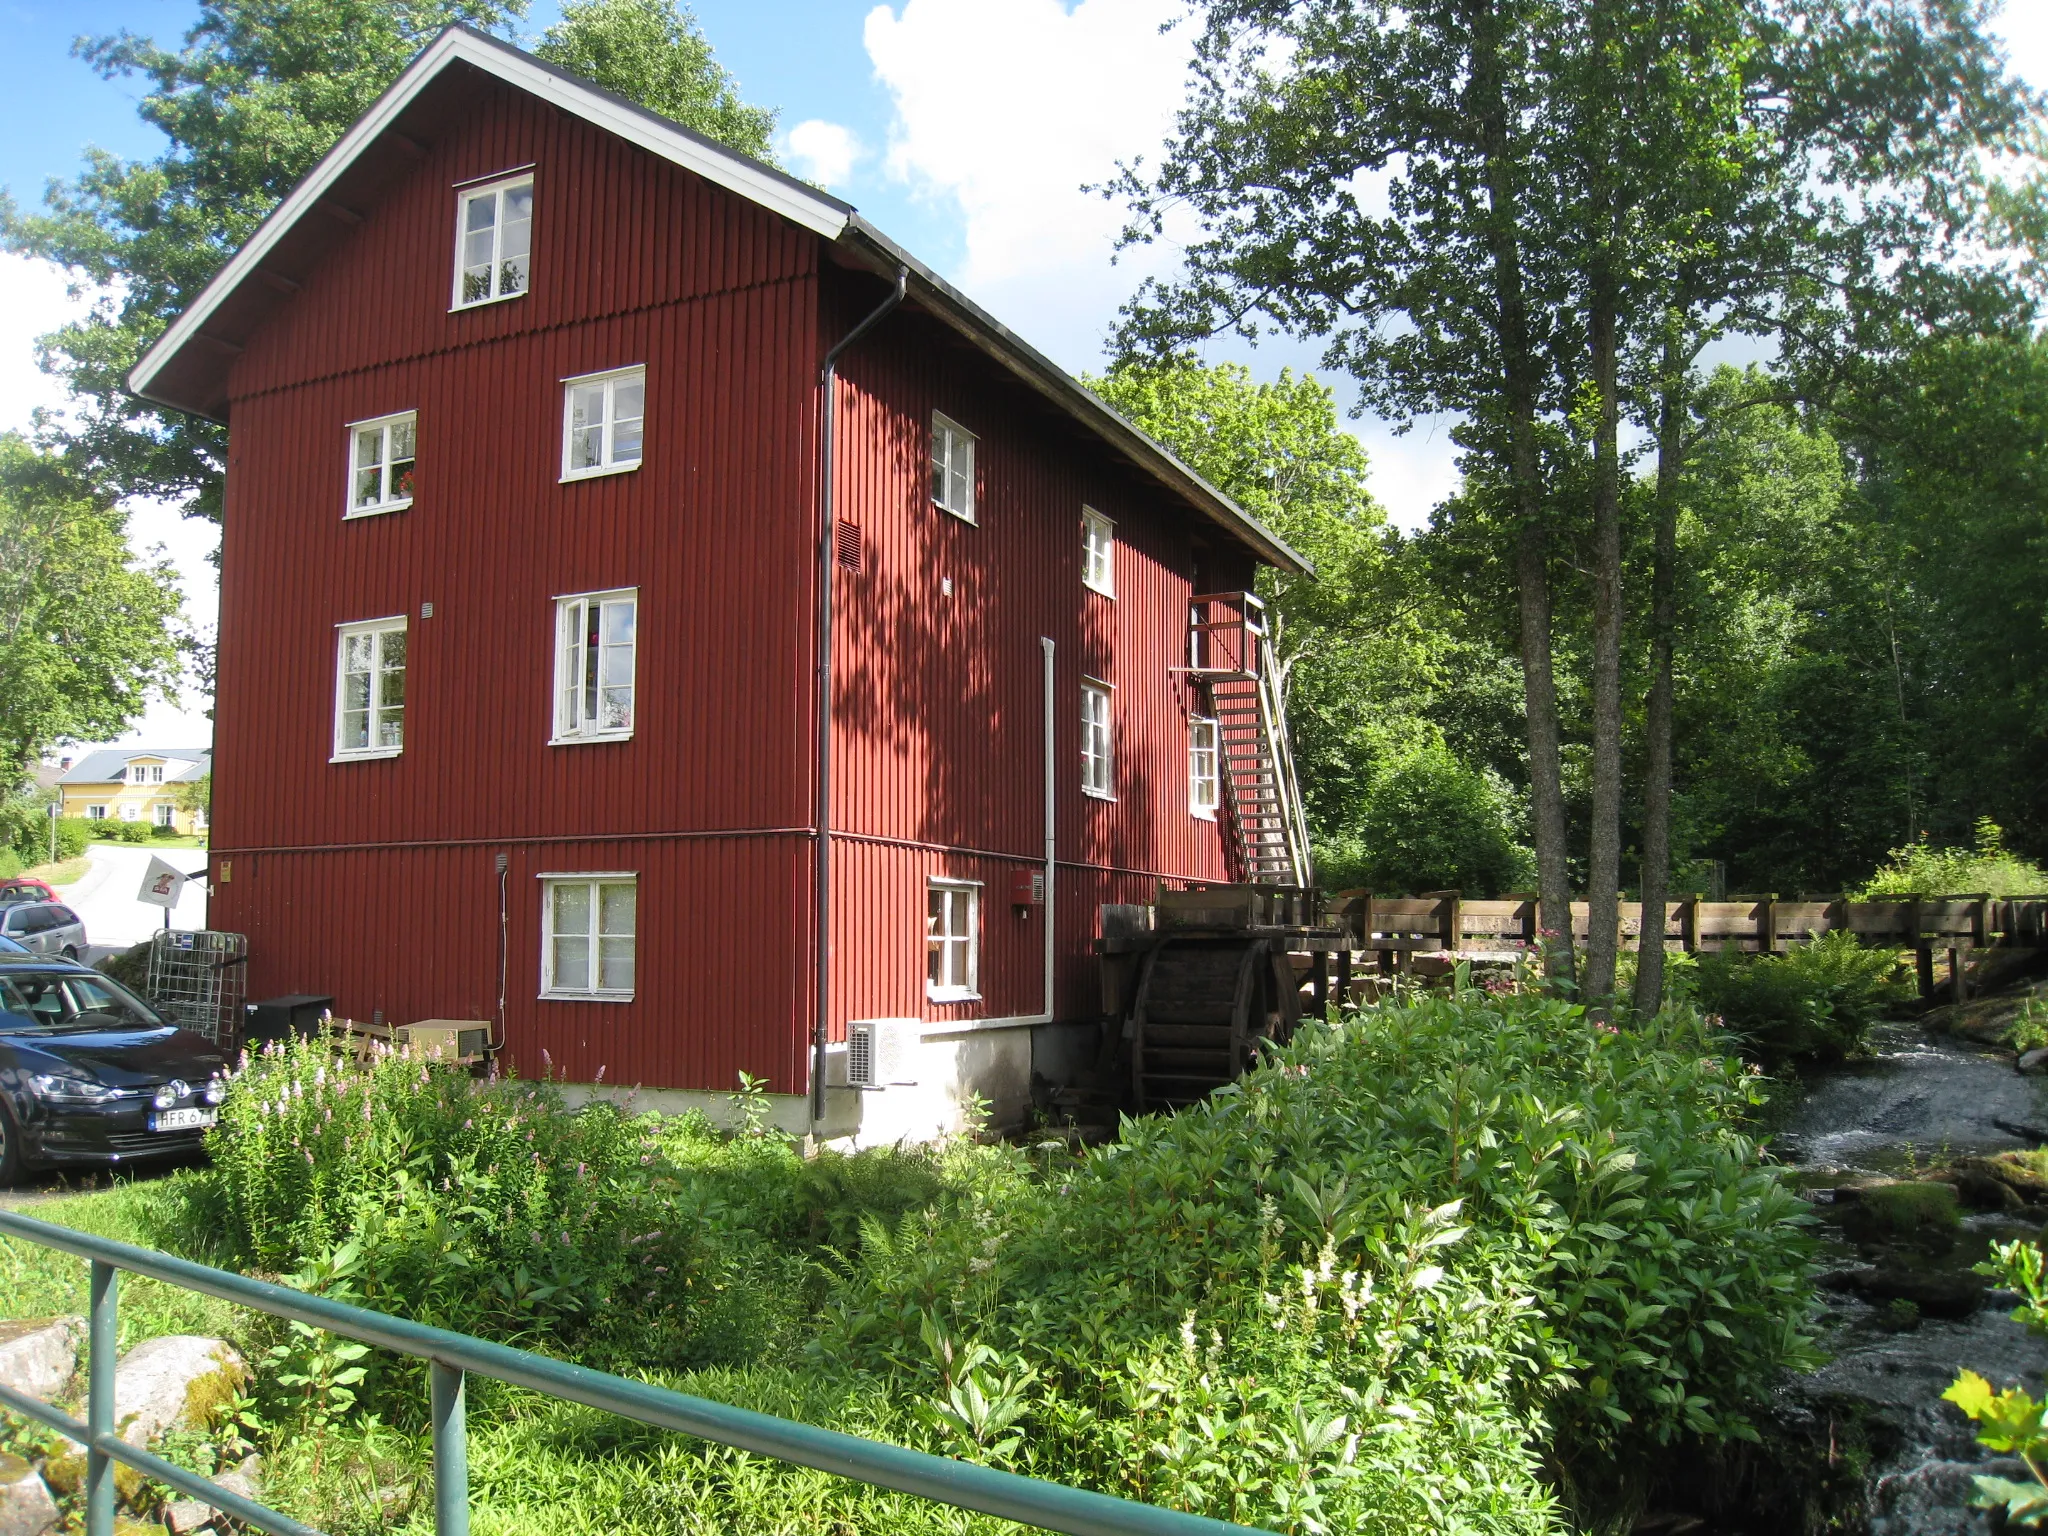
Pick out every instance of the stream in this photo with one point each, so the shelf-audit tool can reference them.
(1918, 1103)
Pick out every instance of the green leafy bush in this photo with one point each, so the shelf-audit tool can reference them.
(25, 831)
(1428, 822)
(131, 831)
(2013, 1422)
(1364, 1288)
(1815, 1001)
(1987, 867)
(10, 864)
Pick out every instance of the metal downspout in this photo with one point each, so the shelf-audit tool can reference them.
(821, 816)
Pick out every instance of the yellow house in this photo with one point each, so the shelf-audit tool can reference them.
(136, 784)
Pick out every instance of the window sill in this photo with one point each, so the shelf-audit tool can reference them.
(586, 997)
(502, 298)
(1098, 794)
(589, 738)
(599, 474)
(966, 517)
(369, 755)
(356, 514)
(950, 995)
(1108, 592)
(1200, 814)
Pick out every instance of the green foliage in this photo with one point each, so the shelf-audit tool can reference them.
(652, 52)
(1816, 1000)
(1357, 1287)
(2012, 1423)
(1428, 822)
(86, 629)
(131, 832)
(1987, 867)
(10, 864)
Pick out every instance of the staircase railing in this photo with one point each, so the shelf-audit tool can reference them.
(1229, 644)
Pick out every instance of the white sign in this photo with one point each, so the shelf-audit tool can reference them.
(162, 885)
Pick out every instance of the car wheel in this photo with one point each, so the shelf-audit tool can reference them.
(70, 953)
(11, 1167)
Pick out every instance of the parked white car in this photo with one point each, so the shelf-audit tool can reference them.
(44, 928)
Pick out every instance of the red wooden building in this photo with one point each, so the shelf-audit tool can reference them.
(538, 485)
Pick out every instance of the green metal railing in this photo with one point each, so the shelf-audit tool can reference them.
(965, 1485)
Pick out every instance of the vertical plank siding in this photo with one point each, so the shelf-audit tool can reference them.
(375, 880)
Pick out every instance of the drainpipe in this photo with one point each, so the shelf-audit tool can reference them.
(821, 813)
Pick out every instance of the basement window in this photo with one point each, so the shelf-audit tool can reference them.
(603, 422)
(589, 923)
(1203, 783)
(381, 464)
(1098, 769)
(595, 647)
(953, 467)
(493, 241)
(1098, 552)
(369, 689)
(952, 941)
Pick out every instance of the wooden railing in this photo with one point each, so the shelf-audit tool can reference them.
(1444, 922)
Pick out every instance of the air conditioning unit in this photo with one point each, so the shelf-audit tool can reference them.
(456, 1040)
(882, 1053)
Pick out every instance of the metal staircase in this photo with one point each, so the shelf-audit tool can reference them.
(1231, 657)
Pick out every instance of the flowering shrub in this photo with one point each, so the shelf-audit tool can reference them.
(1369, 1287)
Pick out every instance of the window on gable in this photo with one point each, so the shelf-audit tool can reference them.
(596, 638)
(380, 464)
(952, 940)
(493, 241)
(1203, 785)
(1098, 552)
(953, 467)
(588, 931)
(1098, 770)
(603, 416)
(369, 689)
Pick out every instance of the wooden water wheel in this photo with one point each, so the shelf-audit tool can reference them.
(1203, 1005)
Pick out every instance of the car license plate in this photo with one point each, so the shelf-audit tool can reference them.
(181, 1119)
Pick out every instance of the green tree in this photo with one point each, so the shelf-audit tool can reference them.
(259, 91)
(651, 52)
(86, 632)
(1426, 821)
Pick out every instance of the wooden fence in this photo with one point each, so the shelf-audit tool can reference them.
(1444, 923)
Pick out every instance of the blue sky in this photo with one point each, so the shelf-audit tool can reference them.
(965, 128)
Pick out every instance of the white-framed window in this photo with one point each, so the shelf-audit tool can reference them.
(952, 940)
(1203, 784)
(156, 773)
(165, 813)
(1098, 552)
(603, 416)
(380, 463)
(595, 644)
(493, 240)
(369, 689)
(1098, 766)
(953, 467)
(588, 923)
(95, 813)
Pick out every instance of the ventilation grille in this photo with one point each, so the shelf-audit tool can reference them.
(851, 545)
(860, 1043)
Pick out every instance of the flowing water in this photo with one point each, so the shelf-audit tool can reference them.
(1916, 1104)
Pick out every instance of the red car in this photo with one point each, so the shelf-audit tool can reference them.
(25, 888)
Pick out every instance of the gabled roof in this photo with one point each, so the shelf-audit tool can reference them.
(187, 368)
(180, 764)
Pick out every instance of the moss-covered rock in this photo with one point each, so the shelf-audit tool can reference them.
(1917, 1210)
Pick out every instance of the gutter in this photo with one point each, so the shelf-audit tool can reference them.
(821, 816)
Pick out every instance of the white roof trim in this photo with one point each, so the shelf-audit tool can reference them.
(819, 214)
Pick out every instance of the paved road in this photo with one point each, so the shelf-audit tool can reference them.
(105, 895)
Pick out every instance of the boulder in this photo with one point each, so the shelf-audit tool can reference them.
(2034, 1061)
(1936, 1292)
(1982, 1192)
(38, 1355)
(26, 1508)
(184, 1515)
(1912, 1210)
(178, 1379)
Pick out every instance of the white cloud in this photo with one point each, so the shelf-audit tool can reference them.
(823, 152)
(1007, 108)
(33, 301)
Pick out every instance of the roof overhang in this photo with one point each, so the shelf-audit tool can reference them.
(187, 368)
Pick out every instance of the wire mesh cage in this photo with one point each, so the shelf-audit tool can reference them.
(198, 980)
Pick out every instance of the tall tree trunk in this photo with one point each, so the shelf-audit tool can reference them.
(1502, 163)
(1671, 420)
(1603, 860)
